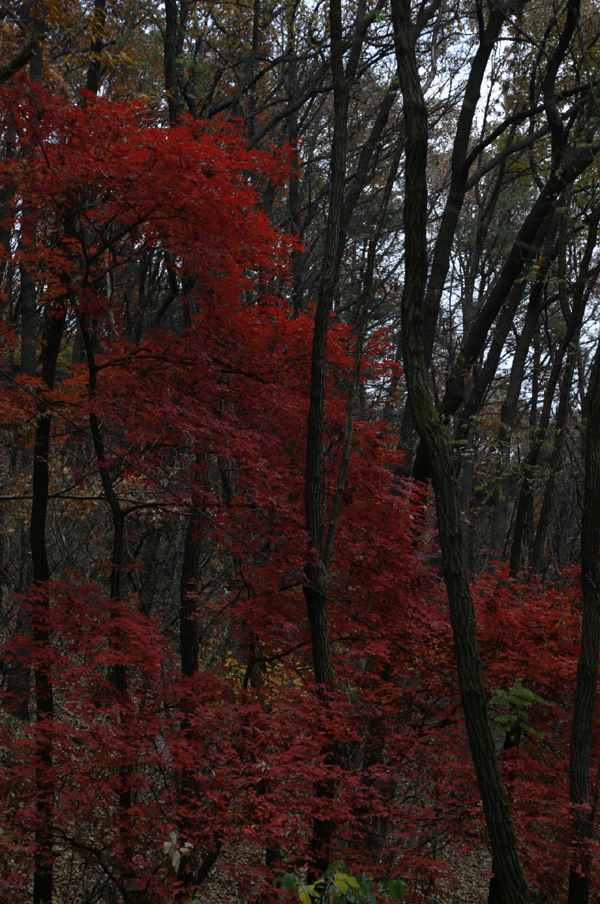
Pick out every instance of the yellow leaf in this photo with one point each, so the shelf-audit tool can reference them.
(343, 881)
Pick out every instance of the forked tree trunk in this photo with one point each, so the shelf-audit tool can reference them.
(511, 879)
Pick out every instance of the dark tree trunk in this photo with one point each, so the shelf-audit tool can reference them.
(18, 676)
(37, 58)
(512, 739)
(508, 414)
(43, 857)
(19, 60)
(189, 650)
(587, 665)
(467, 471)
(119, 672)
(315, 590)
(433, 434)
(316, 573)
(188, 629)
(28, 312)
(537, 552)
(176, 19)
(94, 73)
(458, 188)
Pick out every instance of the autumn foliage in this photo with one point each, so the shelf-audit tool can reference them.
(200, 416)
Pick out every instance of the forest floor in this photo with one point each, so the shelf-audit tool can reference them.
(466, 874)
(472, 882)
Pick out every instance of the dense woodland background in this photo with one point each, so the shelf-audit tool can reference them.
(300, 447)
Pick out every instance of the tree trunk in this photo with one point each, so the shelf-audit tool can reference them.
(433, 434)
(507, 418)
(18, 676)
(119, 672)
(537, 553)
(176, 18)
(316, 573)
(188, 628)
(587, 665)
(43, 857)
(458, 188)
(315, 590)
(512, 739)
(94, 73)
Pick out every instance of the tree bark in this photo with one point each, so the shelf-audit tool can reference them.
(94, 73)
(19, 674)
(188, 627)
(315, 589)
(587, 665)
(43, 857)
(508, 414)
(459, 174)
(537, 553)
(496, 807)
(176, 18)
(28, 312)
(20, 60)
(119, 672)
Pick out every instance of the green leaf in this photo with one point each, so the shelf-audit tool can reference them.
(288, 882)
(396, 889)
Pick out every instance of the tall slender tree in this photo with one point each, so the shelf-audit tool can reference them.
(511, 880)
